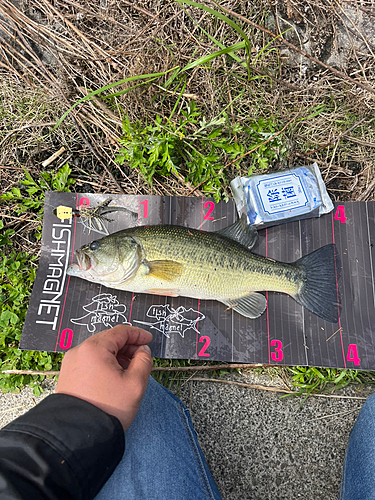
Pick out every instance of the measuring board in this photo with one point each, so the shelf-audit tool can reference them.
(65, 310)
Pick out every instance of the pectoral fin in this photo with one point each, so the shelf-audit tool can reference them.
(166, 270)
(252, 306)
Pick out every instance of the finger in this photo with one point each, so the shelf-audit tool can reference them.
(125, 355)
(139, 368)
(128, 351)
(116, 338)
(123, 361)
(136, 336)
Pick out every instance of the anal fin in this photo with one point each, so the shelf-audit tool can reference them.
(251, 306)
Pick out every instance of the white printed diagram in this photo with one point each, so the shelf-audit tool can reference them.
(168, 320)
(105, 310)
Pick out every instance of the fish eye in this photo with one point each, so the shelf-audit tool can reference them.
(94, 245)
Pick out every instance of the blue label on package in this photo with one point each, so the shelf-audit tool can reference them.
(274, 197)
(282, 193)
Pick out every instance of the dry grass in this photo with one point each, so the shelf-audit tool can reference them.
(53, 53)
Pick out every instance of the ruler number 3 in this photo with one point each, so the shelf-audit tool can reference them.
(278, 355)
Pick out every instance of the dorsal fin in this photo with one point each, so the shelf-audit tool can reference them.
(241, 232)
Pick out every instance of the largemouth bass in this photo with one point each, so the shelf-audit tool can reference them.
(179, 261)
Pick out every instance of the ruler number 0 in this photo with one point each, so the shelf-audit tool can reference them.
(84, 202)
(66, 339)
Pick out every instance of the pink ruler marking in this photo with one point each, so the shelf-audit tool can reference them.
(67, 284)
(337, 292)
(131, 303)
(199, 302)
(268, 318)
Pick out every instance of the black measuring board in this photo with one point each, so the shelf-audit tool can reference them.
(64, 310)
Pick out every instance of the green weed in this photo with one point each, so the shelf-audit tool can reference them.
(29, 196)
(196, 148)
(17, 275)
(310, 380)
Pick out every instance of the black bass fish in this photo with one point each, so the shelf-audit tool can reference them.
(175, 260)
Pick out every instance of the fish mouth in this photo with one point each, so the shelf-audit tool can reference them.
(85, 262)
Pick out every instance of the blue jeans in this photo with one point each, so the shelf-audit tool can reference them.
(162, 458)
(358, 481)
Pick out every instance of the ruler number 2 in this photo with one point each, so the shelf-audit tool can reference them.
(210, 205)
(207, 342)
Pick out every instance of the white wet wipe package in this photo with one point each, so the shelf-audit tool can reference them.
(270, 199)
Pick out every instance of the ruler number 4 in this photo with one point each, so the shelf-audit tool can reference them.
(352, 354)
(340, 214)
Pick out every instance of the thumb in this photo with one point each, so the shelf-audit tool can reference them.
(140, 365)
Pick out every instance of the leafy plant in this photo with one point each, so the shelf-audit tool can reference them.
(17, 275)
(257, 133)
(4, 238)
(29, 196)
(195, 147)
(312, 380)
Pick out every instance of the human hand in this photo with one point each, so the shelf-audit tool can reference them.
(94, 371)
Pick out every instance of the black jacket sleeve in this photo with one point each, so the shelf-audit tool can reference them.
(64, 448)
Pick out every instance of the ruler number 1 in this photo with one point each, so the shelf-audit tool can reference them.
(145, 208)
(340, 214)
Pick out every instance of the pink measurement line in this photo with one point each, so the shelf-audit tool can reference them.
(131, 304)
(196, 342)
(268, 318)
(337, 292)
(199, 302)
(67, 284)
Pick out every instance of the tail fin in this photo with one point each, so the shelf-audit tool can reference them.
(319, 292)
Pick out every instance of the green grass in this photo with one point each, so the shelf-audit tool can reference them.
(310, 380)
(17, 275)
(197, 148)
